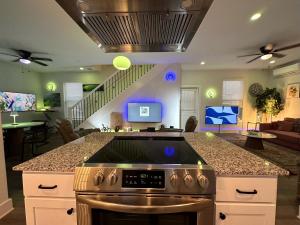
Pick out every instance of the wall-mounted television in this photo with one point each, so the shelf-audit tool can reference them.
(18, 102)
(144, 112)
(221, 115)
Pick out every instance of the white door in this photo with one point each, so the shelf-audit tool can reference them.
(188, 104)
(245, 214)
(73, 93)
(47, 211)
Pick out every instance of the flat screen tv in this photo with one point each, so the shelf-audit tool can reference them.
(144, 112)
(221, 115)
(18, 102)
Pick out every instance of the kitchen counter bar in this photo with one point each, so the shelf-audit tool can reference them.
(227, 159)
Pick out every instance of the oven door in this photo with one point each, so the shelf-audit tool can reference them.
(143, 210)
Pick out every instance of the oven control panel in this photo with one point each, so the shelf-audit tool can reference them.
(143, 179)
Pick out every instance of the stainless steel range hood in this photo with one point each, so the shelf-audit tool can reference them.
(139, 25)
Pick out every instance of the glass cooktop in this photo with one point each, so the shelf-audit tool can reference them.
(147, 150)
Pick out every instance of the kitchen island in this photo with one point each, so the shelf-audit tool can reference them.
(50, 199)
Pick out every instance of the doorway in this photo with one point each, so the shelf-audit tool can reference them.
(189, 104)
(72, 94)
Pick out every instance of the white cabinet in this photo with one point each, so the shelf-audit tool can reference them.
(49, 199)
(44, 211)
(245, 214)
(246, 200)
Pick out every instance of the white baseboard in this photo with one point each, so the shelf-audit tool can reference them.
(6, 207)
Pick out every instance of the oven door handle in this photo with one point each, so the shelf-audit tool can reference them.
(144, 204)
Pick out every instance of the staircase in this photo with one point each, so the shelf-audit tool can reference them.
(105, 92)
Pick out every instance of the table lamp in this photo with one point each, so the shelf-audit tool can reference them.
(14, 115)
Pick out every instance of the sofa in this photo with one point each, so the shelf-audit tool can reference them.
(287, 132)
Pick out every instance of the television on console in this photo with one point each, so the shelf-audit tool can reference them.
(221, 115)
(144, 112)
(18, 102)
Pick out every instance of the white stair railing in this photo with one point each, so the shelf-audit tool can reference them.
(105, 92)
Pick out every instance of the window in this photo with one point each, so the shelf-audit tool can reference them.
(233, 91)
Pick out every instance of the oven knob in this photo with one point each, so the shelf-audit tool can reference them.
(174, 179)
(113, 178)
(98, 178)
(203, 181)
(188, 180)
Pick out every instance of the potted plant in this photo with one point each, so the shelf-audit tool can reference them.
(269, 102)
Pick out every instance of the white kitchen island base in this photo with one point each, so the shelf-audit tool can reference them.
(50, 199)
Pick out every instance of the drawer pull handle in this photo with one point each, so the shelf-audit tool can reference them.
(70, 211)
(47, 187)
(254, 192)
(222, 216)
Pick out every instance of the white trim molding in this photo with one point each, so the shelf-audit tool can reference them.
(6, 207)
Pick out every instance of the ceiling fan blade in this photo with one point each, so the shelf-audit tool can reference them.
(287, 47)
(40, 63)
(254, 59)
(278, 55)
(248, 55)
(22, 53)
(43, 59)
(3, 53)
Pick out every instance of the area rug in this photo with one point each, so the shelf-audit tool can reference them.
(279, 155)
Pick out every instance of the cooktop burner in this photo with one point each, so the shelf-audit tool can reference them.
(147, 150)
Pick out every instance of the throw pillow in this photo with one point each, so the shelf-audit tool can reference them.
(286, 126)
(289, 119)
(297, 127)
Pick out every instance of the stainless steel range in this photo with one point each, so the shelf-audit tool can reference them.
(145, 180)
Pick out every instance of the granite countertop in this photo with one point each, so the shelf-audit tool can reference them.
(226, 158)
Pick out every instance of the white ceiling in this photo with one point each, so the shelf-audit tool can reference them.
(226, 32)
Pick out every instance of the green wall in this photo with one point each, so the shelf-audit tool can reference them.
(14, 78)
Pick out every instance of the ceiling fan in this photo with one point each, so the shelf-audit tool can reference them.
(26, 57)
(268, 51)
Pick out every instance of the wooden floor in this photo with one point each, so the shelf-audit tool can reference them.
(287, 204)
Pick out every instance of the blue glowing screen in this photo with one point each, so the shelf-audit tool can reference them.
(221, 114)
(144, 112)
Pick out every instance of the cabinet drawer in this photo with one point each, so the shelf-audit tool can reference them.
(48, 185)
(253, 189)
(245, 214)
(50, 211)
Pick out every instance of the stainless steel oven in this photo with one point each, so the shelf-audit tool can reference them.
(111, 209)
(145, 181)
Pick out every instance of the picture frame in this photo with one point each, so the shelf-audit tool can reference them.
(293, 90)
(52, 100)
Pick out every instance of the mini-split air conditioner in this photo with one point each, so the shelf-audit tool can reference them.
(293, 69)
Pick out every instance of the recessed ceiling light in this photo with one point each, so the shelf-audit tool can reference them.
(25, 61)
(81, 68)
(202, 63)
(99, 45)
(272, 62)
(266, 57)
(255, 16)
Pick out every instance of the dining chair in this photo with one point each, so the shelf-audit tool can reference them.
(36, 136)
(191, 124)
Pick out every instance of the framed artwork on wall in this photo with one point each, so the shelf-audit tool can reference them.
(293, 90)
(52, 100)
(91, 87)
